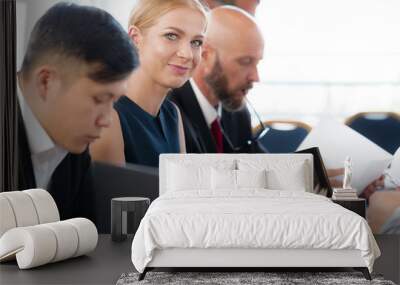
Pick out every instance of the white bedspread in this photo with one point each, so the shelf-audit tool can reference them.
(250, 219)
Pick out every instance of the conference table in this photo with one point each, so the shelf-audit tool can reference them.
(110, 259)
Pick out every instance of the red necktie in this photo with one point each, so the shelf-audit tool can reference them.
(217, 134)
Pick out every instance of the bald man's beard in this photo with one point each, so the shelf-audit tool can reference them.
(218, 83)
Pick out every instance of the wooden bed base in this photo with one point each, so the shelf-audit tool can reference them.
(364, 270)
(253, 259)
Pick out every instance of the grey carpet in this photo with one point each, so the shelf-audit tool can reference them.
(269, 278)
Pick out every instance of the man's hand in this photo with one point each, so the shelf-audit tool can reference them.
(372, 187)
(332, 173)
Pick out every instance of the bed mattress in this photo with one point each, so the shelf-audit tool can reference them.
(250, 219)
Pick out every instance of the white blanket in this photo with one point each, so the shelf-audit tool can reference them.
(250, 219)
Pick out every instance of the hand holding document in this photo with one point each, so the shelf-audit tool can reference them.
(393, 173)
(336, 141)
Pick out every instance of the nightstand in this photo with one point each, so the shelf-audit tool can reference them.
(126, 214)
(357, 205)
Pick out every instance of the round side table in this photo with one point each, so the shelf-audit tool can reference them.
(126, 214)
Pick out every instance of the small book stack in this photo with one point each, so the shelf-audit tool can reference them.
(344, 194)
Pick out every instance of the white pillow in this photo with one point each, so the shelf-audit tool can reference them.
(183, 177)
(288, 177)
(282, 174)
(226, 179)
(223, 179)
(251, 178)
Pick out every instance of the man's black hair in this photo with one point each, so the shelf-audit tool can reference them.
(85, 33)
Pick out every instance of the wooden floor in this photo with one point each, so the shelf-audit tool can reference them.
(106, 264)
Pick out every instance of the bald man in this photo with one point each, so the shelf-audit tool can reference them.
(212, 102)
(247, 5)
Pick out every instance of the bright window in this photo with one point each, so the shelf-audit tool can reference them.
(328, 58)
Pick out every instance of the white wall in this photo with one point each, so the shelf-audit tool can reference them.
(328, 58)
(29, 11)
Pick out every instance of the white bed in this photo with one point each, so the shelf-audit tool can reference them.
(201, 223)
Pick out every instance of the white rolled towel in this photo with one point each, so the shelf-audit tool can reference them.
(26, 208)
(45, 205)
(87, 235)
(32, 246)
(7, 218)
(40, 244)
(23, 208)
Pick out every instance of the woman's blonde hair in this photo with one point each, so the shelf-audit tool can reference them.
(146, 12)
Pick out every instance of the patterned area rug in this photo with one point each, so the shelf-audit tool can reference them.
(229, 278)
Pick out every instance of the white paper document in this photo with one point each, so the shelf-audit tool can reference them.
(336, 141)
(394, 171)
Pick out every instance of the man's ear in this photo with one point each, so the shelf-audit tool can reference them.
(208, 57)
(135, 34)
(45, 80)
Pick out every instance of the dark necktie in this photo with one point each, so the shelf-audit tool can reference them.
(217, 134)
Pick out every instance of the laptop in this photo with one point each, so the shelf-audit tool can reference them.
(322, 185)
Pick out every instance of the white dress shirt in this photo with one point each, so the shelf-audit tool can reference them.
(45, 154)
(209, 111)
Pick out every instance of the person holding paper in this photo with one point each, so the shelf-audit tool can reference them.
(384, 206)
(336, 141)
(389, 180)
(384, 212)
(373, 187)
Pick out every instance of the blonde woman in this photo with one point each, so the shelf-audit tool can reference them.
(168, 35)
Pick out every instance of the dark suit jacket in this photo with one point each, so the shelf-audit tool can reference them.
(71, 182)
(236, 125)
